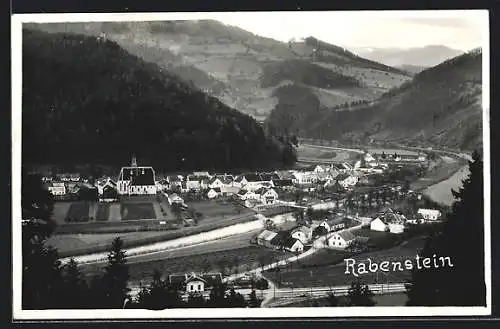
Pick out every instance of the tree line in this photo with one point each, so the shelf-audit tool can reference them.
(110, 104)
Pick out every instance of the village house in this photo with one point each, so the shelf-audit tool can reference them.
(429, 214)
(333, 224)
(214, 193)
(293, 245)
(193, 183)
(195, 284)
(269, 178)
(174, 198)
(229, 190)
(192, 283)
(136, 180)
(244, 195)
(202, 174)
(174, 182)
(389, 221)
(57, 188)
(304, 177)
(346, 180)
(302, 233)
(321, 169)
(267, 195)
(104, 182)
(283, 184)
(340, 239)
(265, 238)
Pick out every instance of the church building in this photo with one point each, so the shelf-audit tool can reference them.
(136, 180)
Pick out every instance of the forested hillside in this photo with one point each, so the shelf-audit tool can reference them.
(440, 106)
(87, 100)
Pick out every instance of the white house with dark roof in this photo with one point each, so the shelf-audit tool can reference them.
(136, 180)
(340, 239)
(293, 245)
(244, 195)
(267, 195)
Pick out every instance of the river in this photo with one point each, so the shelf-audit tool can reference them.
(441, 192)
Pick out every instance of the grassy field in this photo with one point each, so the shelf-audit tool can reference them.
(68, 244)
(211, 208)
(102, 212)
(441, 171)
(136, 211)
(330, 269)
(227, 261)
(163, 232)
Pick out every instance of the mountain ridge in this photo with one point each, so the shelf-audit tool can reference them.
(109, 104)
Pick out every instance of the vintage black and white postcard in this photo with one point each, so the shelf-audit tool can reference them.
(251, 165)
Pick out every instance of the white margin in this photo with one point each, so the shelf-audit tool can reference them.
(221, 313)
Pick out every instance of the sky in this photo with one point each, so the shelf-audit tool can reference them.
(460, 30)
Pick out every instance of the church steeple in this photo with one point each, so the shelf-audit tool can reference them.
(134, 161)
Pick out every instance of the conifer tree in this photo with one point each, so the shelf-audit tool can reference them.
(41, 278)
(461, 239)
(75, 294)
(116, 276)
(159, 295)
(254, 301)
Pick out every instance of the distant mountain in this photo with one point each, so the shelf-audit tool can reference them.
(244, 70)
(87, 100)
(441, 106)
(427, 56)
(412, 69)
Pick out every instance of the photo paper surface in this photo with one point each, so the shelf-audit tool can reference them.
(251, 165)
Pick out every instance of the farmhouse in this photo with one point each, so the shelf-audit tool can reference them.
(429, 214)
(267, 195)
(302, 233)
(195, 284)
(244, 195)
(293, 245)
(333, 224)
(320, 169)
(389, 221)
(265, 238)
(135, 180)
(341, 239)
(214, 193)
(192, 283)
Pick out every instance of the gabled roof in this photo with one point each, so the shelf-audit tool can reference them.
(267, 235)
(283, 182)
(194, 277)
(242, 192)
(304, 229)
(335, 221)
(289, 242)
(347, 235)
